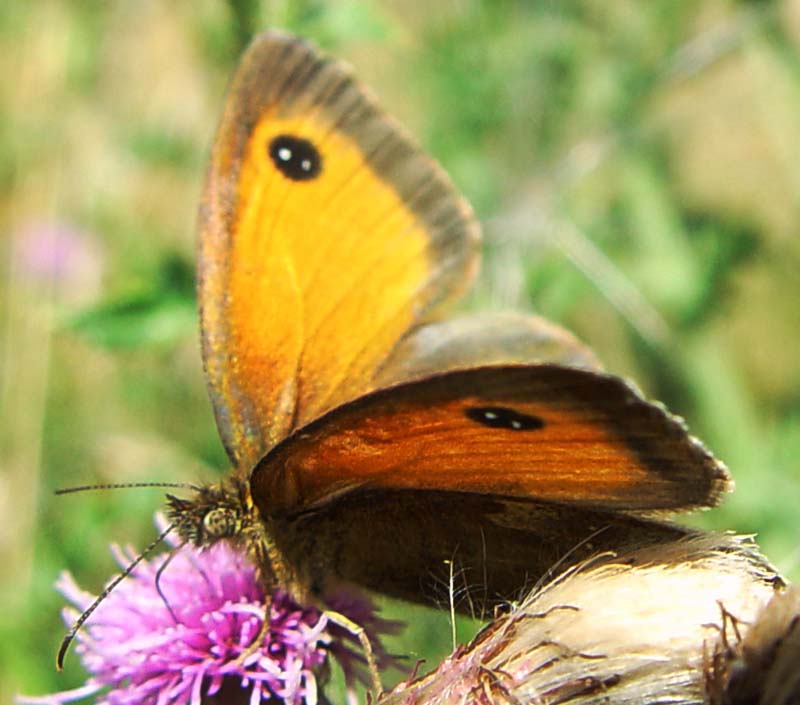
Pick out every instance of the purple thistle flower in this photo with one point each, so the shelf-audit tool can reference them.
(140, 650)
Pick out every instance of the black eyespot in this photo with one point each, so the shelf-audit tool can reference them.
(503, 417)
(295, 157)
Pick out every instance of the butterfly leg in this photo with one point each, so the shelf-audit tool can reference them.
(359, 633)
(258, 641)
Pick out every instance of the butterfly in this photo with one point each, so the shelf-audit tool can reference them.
(372, 438)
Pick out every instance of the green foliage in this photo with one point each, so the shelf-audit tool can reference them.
(162, 314)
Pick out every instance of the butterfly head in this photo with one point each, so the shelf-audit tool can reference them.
(221, 511)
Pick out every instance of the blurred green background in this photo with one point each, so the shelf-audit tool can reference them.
(636, 166)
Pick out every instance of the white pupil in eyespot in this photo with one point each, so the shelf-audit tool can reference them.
(285, 154)
(490, 415)
(305, 165)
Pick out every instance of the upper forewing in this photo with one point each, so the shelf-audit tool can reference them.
(325, 236)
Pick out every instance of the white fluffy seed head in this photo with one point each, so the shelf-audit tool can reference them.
(626, 630)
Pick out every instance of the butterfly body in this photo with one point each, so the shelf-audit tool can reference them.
(398, 543)
(373, 441)
(225, 511)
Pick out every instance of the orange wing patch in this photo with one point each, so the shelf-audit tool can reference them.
(541, 432)
(326, 236)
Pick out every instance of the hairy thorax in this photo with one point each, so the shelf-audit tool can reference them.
(225, 511)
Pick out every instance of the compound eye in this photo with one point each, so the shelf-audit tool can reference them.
(220, 522)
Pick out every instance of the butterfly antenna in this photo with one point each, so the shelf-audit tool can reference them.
(127, 485)
(70, 635)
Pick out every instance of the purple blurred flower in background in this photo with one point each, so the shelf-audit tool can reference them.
(137, 653)
(51, 250)
(59, 256)
(54, 250)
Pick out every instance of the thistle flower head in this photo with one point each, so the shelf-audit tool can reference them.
(181, 641)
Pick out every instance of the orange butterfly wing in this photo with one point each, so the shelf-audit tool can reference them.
(325, 236)
(543, 432)
(328, 243)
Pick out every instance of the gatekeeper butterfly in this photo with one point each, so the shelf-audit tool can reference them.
(372, 440)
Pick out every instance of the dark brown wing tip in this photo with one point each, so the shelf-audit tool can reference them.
(276, 35)
(719, 479)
